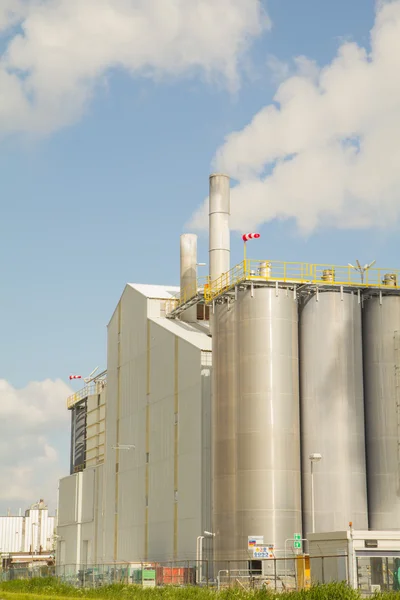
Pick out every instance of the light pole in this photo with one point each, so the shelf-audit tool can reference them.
(313, 459)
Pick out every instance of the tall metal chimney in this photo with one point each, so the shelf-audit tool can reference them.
(219, 211)
(223, 382)
(189, 274)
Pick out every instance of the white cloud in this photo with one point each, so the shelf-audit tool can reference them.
(34, 442)
(327, 150)
(11, 11)
(64, 47)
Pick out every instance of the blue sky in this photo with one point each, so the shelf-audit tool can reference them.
(102, 201)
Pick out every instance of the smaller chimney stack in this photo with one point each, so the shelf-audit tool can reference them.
(189, 274)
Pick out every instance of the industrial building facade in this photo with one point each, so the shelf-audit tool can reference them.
(150, 493)
(291, 428)
(31, 533)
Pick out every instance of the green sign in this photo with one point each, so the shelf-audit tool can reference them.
(297, 545)
(297, 536)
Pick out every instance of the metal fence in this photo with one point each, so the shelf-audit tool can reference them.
(278, 574)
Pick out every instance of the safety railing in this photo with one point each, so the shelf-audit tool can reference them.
(190, 291)
(301, 273)
(95, 387)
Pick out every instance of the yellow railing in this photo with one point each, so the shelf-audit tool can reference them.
(192, 290)
(95, 387)
(300, 273)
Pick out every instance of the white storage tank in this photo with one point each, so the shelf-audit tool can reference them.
(268, 431)
(381, 333)
(224, 432)
(332, 411)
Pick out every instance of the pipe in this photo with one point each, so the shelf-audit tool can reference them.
(219, 211)
(199, 557)
(312, 498)
(188, 274)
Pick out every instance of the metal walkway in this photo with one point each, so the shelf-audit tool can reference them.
(288, 274)
(301, 278)
(193, 301)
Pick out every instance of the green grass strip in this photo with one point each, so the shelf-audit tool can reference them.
(52, 589)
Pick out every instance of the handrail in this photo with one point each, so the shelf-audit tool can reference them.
(300, 273)
(190, 291)
(95, 387)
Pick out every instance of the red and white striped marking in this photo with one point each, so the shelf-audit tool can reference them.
(75, 377)
(250, 236)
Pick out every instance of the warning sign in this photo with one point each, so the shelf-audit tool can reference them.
(263, 551)
(255, 540)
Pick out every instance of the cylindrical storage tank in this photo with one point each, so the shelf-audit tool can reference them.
(224, 432)
(332, 412)
(268, 431)
(381, 336)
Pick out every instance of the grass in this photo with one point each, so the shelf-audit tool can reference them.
(51, 589)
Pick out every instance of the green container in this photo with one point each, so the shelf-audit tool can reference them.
(149, 574)
(137, 576)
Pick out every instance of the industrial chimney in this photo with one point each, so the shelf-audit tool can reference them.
(219, 210)
(189, 274)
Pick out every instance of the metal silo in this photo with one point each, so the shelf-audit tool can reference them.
(224, 432)
(268, 433)
(332, 411)
(381, 336)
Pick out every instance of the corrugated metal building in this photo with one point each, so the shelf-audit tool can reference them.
(11, 534)
(146, 495)
(32, 532)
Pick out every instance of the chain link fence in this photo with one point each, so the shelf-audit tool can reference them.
(278, 574)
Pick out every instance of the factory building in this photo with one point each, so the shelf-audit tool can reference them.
(261, 404)
(31, 533)
(150, 493)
